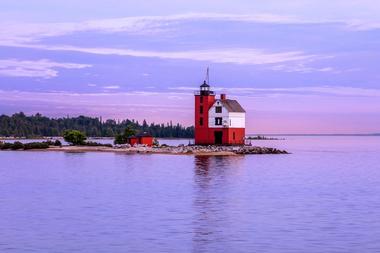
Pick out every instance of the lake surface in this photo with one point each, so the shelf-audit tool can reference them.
(325, 197)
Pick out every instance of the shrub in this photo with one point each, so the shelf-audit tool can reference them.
(57, 143)
(17, 145)
(49, 142)
(53, 143)
(119, 139)
(36, 145)
(74, 137)
(123, 138)
(6, 145)
(96, 144)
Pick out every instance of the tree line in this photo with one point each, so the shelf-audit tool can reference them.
(21, 125)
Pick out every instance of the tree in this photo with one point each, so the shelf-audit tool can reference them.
(119, 139)
(38, 125)
(74, 137)
(128, 131)
(123, 138)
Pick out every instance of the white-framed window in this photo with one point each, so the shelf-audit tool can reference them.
(218, 121)
(218, 109)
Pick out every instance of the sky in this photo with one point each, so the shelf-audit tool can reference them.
(295, 66)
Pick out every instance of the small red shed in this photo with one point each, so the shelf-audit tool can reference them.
(143, 139)
(132, 140)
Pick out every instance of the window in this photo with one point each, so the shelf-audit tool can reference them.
(218, 109)
(218, 121)
(201, 109)
(201, 99)
(233, 135)
(201, 121)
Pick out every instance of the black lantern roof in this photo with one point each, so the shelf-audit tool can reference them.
(205, 85)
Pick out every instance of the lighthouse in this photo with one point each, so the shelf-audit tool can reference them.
(218, 121)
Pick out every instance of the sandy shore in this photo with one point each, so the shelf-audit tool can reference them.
(138, 150)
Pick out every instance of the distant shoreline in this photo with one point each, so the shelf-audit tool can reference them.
(175, 138)
(318, 135)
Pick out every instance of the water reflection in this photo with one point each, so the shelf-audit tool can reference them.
(213, 177)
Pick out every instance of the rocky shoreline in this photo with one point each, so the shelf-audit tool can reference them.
(178, 150)
(144, 149)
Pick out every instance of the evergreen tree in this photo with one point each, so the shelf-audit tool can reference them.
(20, 125)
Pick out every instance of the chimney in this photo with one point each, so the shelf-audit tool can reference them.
(222, 96)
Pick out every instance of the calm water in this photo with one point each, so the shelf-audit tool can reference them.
(325, 197)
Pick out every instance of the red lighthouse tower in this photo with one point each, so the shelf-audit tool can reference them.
(204, 99)
(218, 121)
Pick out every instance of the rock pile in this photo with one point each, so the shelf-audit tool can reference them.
(246, 150)
(241, 150)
